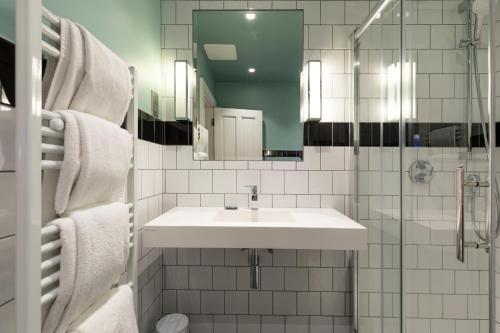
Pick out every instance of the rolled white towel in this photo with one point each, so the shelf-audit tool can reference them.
(64, 75)
(114, 313)
(87, 76)
(106, 88)
(202, 143)
(102, 249)
(7, 136)
(97, 156)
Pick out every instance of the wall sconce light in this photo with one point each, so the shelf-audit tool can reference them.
(183, 75)
(310, 92)
(408, 93)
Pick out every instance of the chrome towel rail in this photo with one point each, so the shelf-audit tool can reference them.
(51, 135)
(50, 33)
(49, 16)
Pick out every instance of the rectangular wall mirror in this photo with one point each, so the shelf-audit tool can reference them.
(246, 84)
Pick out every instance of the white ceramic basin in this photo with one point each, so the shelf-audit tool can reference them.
(247, 215)
(294, 228)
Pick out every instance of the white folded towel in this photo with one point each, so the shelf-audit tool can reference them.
(112, 314)
(101, 254)
(202, 143)
(96, 162)
(66, 274)
(87, 76)
(106, 89)
(63, 76)
(7, 137)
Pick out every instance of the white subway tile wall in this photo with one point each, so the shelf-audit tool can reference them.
(286, 185)
(304, 291)
(310, 291)
(152, 199)
(442, 294)
(327, 29)
(7, 220)
(304, 304)
(433, 32)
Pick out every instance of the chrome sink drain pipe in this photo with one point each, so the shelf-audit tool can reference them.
(254, 269)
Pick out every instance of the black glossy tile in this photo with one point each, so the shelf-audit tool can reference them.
(446, 135)
(341, 134)
(7, 69)
(158, 133)
(477, 138)
(369, 134)
(417, 134)
(497, 132)
(318, 134)
(178, 133)
(147, 123)
(334, 134)
(282, 153)
(390, 134)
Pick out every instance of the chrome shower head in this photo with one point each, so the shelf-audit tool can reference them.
(480, 8)
(464, 6)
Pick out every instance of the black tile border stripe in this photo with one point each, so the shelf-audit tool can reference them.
(7, 69)
(164, 132)
(268, 153)
(334, 134)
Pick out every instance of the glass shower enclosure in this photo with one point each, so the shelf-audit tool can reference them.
(425, 151)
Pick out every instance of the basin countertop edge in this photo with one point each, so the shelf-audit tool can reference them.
(309, 228)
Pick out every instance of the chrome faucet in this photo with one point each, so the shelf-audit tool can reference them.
(254, 198)
(253, 255)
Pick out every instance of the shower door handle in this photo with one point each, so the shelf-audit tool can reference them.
(459, 228)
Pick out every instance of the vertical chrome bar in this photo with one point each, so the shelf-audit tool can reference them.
(470, 83)
(254, 269)
(373, 15)
(459, 228)
(355, 143)
(356, 102)
(493, 209)
(404, 54)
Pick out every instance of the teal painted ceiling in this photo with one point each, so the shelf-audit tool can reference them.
(272, 43)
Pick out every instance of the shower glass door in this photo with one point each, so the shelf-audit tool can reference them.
(421, 86)
(377, 61)
(443, 130)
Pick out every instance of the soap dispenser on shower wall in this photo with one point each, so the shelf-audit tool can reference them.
(416, 141)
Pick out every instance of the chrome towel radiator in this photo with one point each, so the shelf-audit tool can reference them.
(40, 148)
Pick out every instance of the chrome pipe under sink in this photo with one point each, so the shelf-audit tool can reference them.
(254, 269)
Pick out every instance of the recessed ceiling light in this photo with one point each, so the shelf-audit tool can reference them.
(250, 16)
(251, 70)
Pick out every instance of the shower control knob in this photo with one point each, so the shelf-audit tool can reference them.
(421, 172)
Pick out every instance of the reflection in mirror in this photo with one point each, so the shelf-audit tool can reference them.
(247, 89)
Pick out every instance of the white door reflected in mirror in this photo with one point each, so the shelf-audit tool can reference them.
(238, 134)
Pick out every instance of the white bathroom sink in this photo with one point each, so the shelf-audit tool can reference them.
(248, 215)
(275, 228)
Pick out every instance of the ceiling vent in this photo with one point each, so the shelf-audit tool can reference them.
(220, 51)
